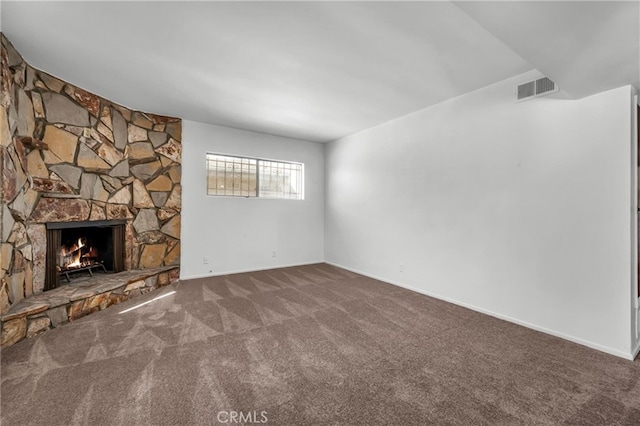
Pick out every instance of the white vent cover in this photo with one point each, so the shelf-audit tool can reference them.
(535, 88)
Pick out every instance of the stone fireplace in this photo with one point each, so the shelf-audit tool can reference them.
(72, 162)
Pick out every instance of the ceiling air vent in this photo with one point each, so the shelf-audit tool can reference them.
(535, 88)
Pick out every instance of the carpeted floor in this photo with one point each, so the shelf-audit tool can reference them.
(312, 345)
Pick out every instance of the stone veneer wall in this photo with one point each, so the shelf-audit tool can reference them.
(69, 155)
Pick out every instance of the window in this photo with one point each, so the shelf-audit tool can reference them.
(231, 176)
(252, 177)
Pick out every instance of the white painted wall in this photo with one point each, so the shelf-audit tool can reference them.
(520, 210)
(240, 234)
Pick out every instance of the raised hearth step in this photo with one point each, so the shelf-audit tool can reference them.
(76, 291)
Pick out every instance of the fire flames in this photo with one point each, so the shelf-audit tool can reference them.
(73, 256)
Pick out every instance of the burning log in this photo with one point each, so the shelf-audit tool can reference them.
(71, 257)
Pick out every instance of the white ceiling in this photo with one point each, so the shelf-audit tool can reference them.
(586, 47)
(320, 70)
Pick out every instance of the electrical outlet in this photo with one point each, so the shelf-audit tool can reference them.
(205, 260)
(273, 253)
(402, 268)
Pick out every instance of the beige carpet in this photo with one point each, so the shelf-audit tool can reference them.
(312, 345)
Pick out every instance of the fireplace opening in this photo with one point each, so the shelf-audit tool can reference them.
(78, 249)
(85, 249)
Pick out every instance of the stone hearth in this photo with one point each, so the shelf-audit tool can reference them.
(37, 314)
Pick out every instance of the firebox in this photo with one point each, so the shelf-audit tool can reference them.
(74, 248)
